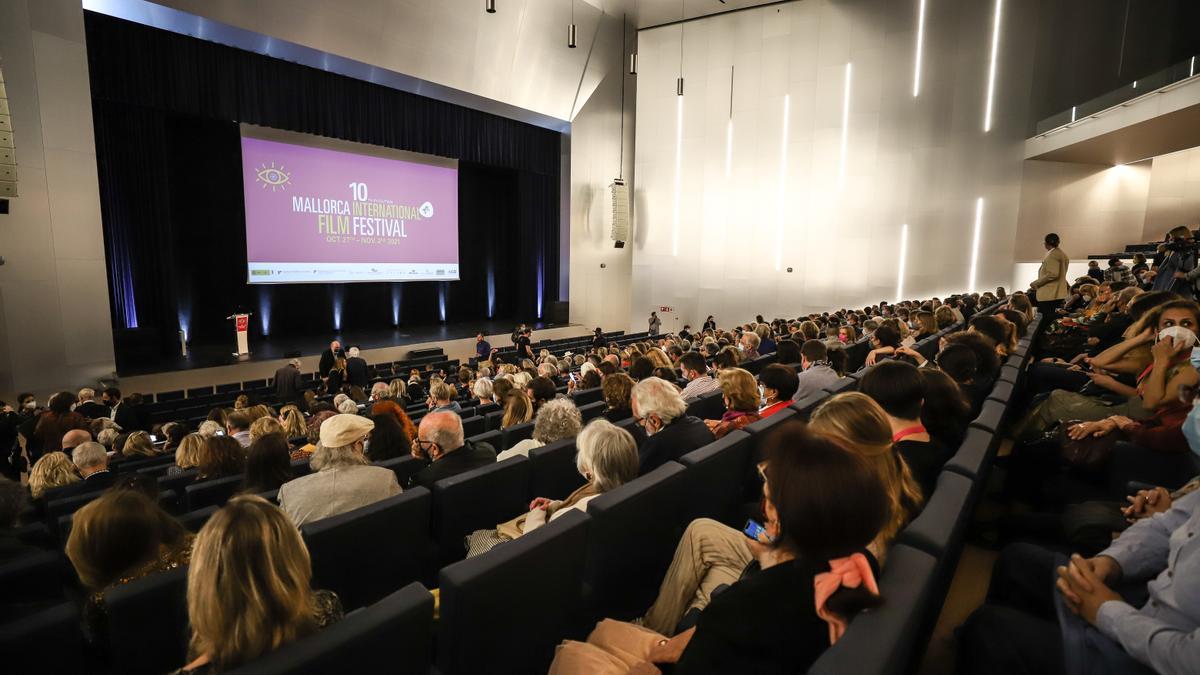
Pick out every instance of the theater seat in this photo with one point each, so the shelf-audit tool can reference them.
(492, 438)
(591, 411)
(708, 406)
(404, 466)
(147, 623)
(365, 554)
(974, 454)
(842, 385)
(393, 635)
(478, 499)
(500, 616)
(939, 529)
(1002, 392)
(1010, 374)
(194, 520)
(515, 434)
(31, 582)
(883, 640)
(710, 492)
(49, 641)
(810, 403)
(491, 420)
(990, 416)
(473, 426)
(210, 492)
(634, 531)
(553, 470)
(583, 397)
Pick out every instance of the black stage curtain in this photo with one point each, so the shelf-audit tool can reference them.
(166, 109)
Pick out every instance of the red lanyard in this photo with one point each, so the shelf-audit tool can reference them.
(905, 433)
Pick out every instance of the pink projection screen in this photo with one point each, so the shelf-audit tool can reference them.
(320, 210)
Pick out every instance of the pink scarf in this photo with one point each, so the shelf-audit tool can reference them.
(850, 572)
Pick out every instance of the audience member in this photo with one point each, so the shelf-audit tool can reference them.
(268, 463)
(557, 420)
(899, 389)
(741, 402)
(779, 383)
(52, 470)
(88, 407)
(695, 371)
(816, 372)
(671, 433)
(517, 409)
(289, 386)
(220, 457)
(53, 424)
(618, 396)
(237, 427)
(441, 444)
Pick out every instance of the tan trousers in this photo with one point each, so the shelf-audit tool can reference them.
(708, 555)
(613, 648)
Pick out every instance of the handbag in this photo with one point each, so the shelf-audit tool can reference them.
(1087, 454)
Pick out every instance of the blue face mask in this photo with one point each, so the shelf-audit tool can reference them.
(1195, 358)
(1191, 430)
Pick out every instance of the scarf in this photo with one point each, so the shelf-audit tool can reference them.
(851, 572)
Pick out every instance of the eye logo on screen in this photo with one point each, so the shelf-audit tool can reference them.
(270, 176)
(426, 210)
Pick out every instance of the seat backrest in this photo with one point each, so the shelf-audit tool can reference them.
(585, 396)
(178, 481)
(808, 404)
(708, 406)
(147, 623)
(194, 520)
(473, 426)
(492, 438)
(974, 455)
(1002, 392)
(213, 492)
(491, 421)
(478, 499)
(842, 385)
(712, 490)
(990, 416)
(633, 535)
(48, 641)
(404, 466)
(553, 470)
(591, 411)
(69, 505)
(940, 527)
(365, 554)
(393, 635)
(31, 580)
(883, 641)
(498, 616)
(515, 434)
(856, 355)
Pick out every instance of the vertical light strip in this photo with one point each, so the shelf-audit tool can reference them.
(920, 44)
(1192, 67)
(678, 166)
(1072, 113)
(903, 259)
(845, 122)
(783, 158)
(729, 130)
(991, 83)
(975, 243)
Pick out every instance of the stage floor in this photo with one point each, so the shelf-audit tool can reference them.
(281, 346)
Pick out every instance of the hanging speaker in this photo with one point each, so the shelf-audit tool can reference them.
(620, 212)
(8, 153)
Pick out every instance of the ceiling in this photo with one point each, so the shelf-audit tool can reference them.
(647, 13)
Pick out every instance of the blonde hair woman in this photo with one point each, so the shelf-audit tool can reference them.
(398, 391)
(138, 444)
(54, 469)
(248, 587)
(187, 455)
(741, 401)
(659, 358)
(943, 316)
(518, 409)
(292, 421)
(858, 421)
(241, 402)
(263, 426)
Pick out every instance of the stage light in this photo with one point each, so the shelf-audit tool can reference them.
(991, 82)
(845, 122)
(920, 44)
(678, 170)
(442, 300)
(975, 244)
(184, 324)
(489, 6)
(779, 210)
(264, 310)
(903, 259)
(337, 308)
(541, 285)
(491, 289)
(396, 291)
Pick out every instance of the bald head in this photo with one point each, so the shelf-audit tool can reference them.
(75, 437)
(613, 359)
(444, 429)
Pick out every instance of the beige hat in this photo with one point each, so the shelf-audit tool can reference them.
(341, 430)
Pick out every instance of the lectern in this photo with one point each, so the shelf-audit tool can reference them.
(241, 330)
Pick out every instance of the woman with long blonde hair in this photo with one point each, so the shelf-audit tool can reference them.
(248, 587)
(518, 409)
(187, 455)
(293, 422)
(52, 470)
(138, 444)
(659, 358)
(857, 420)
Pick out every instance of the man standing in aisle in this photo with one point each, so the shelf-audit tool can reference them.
(655, 323)
(328, 358)
(1051, 287)
(483, 350)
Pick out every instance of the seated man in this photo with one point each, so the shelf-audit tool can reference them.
(237, 425)
(441, 398)
(344, 479)
(440, 442)
(695, 371)
(74, 438)
(659, 409)
(91, 459)
(815, 371)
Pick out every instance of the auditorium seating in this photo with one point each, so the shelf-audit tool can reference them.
(553, 470)
(146, 623)
(710, 492)
(458, 509)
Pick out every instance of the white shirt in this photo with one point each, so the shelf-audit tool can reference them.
(522, 448)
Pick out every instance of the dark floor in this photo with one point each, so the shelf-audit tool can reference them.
(283, 346)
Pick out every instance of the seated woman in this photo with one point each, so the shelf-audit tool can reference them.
(884, 342)
(292, 421)
(1000, 331)
(248, 588)
(138, 444)
(618, 392)
(899, 390)
(607, 458)
(313, 433)
(52, 470)
(862, 426)
(740, 391)
(557, 419)
(221, 456)
(924, 325)
(947, 410)
(388, 439)
(813, 575)
(187, 455)
(1172, 328)
(394, 409)
(264, 426)
(268, 464)
(518, 409)
(121, 536)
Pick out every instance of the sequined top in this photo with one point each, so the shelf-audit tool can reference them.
(94, 611)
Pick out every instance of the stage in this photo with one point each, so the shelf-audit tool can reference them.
(216, 364)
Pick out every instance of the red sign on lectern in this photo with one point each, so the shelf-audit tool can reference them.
(243, 323)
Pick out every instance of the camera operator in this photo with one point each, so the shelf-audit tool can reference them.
(1177, 271)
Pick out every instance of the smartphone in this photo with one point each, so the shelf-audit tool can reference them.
(756, 531)
(153, 438)
(219, 433)
(573, 377)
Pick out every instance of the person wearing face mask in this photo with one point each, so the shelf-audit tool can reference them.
(1171, 328)
(695, 371)
(741, 402)
(671, 433)
(1177, 271)
(778, 384)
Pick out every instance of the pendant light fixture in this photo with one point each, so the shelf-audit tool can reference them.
(679, 80)
(489, 6)
(571, 28)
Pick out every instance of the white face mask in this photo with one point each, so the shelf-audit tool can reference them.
(1179, 335)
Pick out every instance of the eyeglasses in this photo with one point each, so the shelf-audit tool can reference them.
(423, 446)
